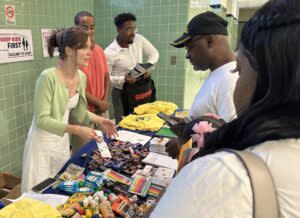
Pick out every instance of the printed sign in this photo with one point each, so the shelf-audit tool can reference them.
(10, 14)
(46, 33)
(15, 45)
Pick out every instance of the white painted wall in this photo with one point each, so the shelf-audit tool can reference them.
(251, 3)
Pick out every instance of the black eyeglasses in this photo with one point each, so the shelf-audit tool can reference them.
(189, 43)
(131, 30)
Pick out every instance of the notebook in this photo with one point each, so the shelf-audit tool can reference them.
(160, 160)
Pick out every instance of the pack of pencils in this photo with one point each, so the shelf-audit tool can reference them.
(117, 177)
(140, 186)
(154, 190)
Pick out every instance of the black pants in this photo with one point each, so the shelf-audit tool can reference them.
(117, 101)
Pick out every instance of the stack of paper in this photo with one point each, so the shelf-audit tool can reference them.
(160, 160)
(158, 145)
(132, 137)
(162, 176)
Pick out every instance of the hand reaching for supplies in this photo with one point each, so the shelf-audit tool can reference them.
(108, 127)
(88, 134)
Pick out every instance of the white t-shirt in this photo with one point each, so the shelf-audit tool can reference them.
(217, 185)
(121, 60)
(216, 94)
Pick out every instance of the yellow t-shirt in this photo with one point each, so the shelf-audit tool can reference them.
(147, 122)
(156, 107)
(29, 208)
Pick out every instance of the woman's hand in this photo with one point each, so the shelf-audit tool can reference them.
(88, 134)
(107, 126)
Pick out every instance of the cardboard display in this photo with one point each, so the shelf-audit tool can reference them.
(10, 187)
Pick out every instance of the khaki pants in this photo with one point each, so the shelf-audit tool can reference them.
(77, 142)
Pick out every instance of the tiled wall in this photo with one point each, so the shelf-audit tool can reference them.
(160, 21)
(232, 31)
(17, 80)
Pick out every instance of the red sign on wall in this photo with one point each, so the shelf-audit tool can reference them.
(10, 14)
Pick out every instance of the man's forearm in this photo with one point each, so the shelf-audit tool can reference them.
(91, 99)
(106, 87)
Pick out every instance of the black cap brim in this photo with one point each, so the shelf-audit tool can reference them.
(179, 43)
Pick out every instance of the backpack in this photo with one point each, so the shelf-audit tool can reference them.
(141, 92)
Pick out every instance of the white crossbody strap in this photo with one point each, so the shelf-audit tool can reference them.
(265, 202)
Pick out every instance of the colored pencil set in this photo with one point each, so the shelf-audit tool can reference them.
(140, 186)
(117, 177)
(154, 190)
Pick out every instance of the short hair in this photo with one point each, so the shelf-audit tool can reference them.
(120, 19)
(81, 14)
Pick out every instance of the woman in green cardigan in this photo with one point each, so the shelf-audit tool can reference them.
(60, 94)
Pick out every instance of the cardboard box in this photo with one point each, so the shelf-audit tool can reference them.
(10, 187)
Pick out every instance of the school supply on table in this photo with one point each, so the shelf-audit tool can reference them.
(102, 146)
(158, 175)
(155, 190)
(158, 145)
(162, 176)
(165, 131)
(72, 172)
(122, 205)
(140, 185)
(160, 160)
(126, 157)
(132, 137)
(117, 177)
(103, 149)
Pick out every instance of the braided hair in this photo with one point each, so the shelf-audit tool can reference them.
(270, 41)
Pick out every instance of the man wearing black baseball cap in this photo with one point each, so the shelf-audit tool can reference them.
(206, 23)
(207, 46)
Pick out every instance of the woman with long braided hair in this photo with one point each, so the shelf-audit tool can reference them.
(267, 99)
